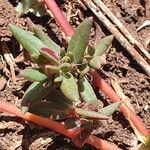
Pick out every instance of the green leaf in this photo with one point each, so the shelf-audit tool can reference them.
(55, 106)
(90, 114)
(48, 109)
(58, 98)
(95, 62)
(79, 40)
(100, 48)
(62, 52)
(35, 93)
(50, 70)
(33, 74)
(31, 43)
(49, 55)
(102, 45)
(46, 39)
(110, 109)
(90, 50)
(69, 87)
(58, 79)
(86, 91)
(65, 67)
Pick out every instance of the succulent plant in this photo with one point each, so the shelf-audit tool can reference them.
(61, 88)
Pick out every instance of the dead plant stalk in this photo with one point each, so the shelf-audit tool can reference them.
(123, 29)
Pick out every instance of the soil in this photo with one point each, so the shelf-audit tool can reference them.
(16, 134)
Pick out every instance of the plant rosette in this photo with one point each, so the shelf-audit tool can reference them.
(61, 87)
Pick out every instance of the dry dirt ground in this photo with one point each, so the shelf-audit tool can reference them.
(16, 134)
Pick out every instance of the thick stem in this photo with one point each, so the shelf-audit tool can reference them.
(59, 17)
(56, 126)
(110, 93)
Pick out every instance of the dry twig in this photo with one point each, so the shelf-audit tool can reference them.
(123, 29)
(123, 41)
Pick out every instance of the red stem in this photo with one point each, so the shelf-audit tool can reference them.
(59, 17)
(110, 93)
(56, 126)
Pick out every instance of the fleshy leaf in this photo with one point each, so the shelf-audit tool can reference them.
(62, 52)
(90, 114)
(55, 106)
(65, 67)
(48, 109)
(31, 43)
(35, 93)
(33, 74)
(79, 40)
(100, 48)
(58, 98)
(86, 91)
(46, 39)
(49, 55)
(50, 70)
(110, 109)
(58, 79)
(95, 62)
(90, 50)
(102, 45)
(69, 87)
(71, 56)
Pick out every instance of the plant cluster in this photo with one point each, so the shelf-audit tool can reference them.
(61, 86)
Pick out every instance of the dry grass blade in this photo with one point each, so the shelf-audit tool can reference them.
(123, 41)
(124, 99)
